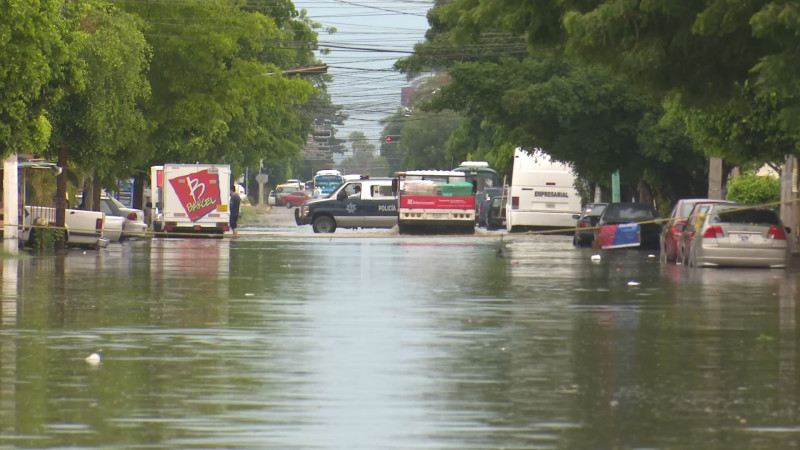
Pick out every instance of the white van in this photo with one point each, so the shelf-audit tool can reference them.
(542, 193)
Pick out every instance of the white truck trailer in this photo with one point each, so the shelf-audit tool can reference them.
(194, 198)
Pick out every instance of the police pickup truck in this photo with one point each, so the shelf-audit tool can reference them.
(363, 203)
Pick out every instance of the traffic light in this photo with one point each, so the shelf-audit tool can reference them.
(392, 138)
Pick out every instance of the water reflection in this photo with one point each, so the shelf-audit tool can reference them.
(388, 342)
(8, 312)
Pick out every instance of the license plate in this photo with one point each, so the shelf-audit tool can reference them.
(438, 216)
(745, 238)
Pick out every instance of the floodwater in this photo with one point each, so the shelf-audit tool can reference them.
(368, 340)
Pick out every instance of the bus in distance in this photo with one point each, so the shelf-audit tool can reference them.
(327, 180)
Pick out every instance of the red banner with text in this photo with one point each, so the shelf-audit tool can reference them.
(434, 202)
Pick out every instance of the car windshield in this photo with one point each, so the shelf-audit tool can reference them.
(116, 202)
(749, 216)
(628, 213)
(108, 207)
(686, 209)
(595, 210)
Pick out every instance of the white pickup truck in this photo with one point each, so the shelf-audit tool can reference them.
(83, 228)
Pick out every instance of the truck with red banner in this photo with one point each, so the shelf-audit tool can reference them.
(193, 198)
(439, 200)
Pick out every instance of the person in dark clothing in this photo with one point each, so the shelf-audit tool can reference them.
(235, 204)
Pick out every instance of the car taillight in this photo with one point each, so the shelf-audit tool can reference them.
(514, 202)
(98, 224)
(581, 224)
(776, 233)
(712, 232)
(132, 216)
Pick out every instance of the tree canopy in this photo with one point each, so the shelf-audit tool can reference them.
(123, 85)
(32, 57)
(647, 88)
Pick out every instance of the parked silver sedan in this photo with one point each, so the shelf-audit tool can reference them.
(133, 225)
(739, 235)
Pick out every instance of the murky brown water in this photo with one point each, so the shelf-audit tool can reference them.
(384, 342)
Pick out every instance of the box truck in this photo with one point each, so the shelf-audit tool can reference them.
(193, 198)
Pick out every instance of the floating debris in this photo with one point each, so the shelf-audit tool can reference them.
(595, 258)
(93, 359)
(633, 283)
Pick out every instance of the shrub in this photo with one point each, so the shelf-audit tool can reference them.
(751, 188)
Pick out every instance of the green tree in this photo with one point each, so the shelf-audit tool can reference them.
(579, 114)
(393, 150)
(364, 160)
(218, 93)
(424, 132)
(99, 121)
(709, 55)
(33, 54)
(424, 139)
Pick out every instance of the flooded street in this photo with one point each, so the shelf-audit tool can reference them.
(363, 339)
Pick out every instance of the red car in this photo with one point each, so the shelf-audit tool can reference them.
(671, 232)
(296, 198)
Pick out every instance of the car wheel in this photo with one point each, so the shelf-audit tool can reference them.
(288, 205)
(324, 224)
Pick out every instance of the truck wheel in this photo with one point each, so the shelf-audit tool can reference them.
(324, 224)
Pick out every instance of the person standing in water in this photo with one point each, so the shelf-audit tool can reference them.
(235, 205)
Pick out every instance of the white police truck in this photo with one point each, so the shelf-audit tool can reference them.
(362, 203)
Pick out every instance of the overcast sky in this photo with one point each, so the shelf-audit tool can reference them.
(376, 33)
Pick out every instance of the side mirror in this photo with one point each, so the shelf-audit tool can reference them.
(788, 230)
(148, 205)
(394, 186)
